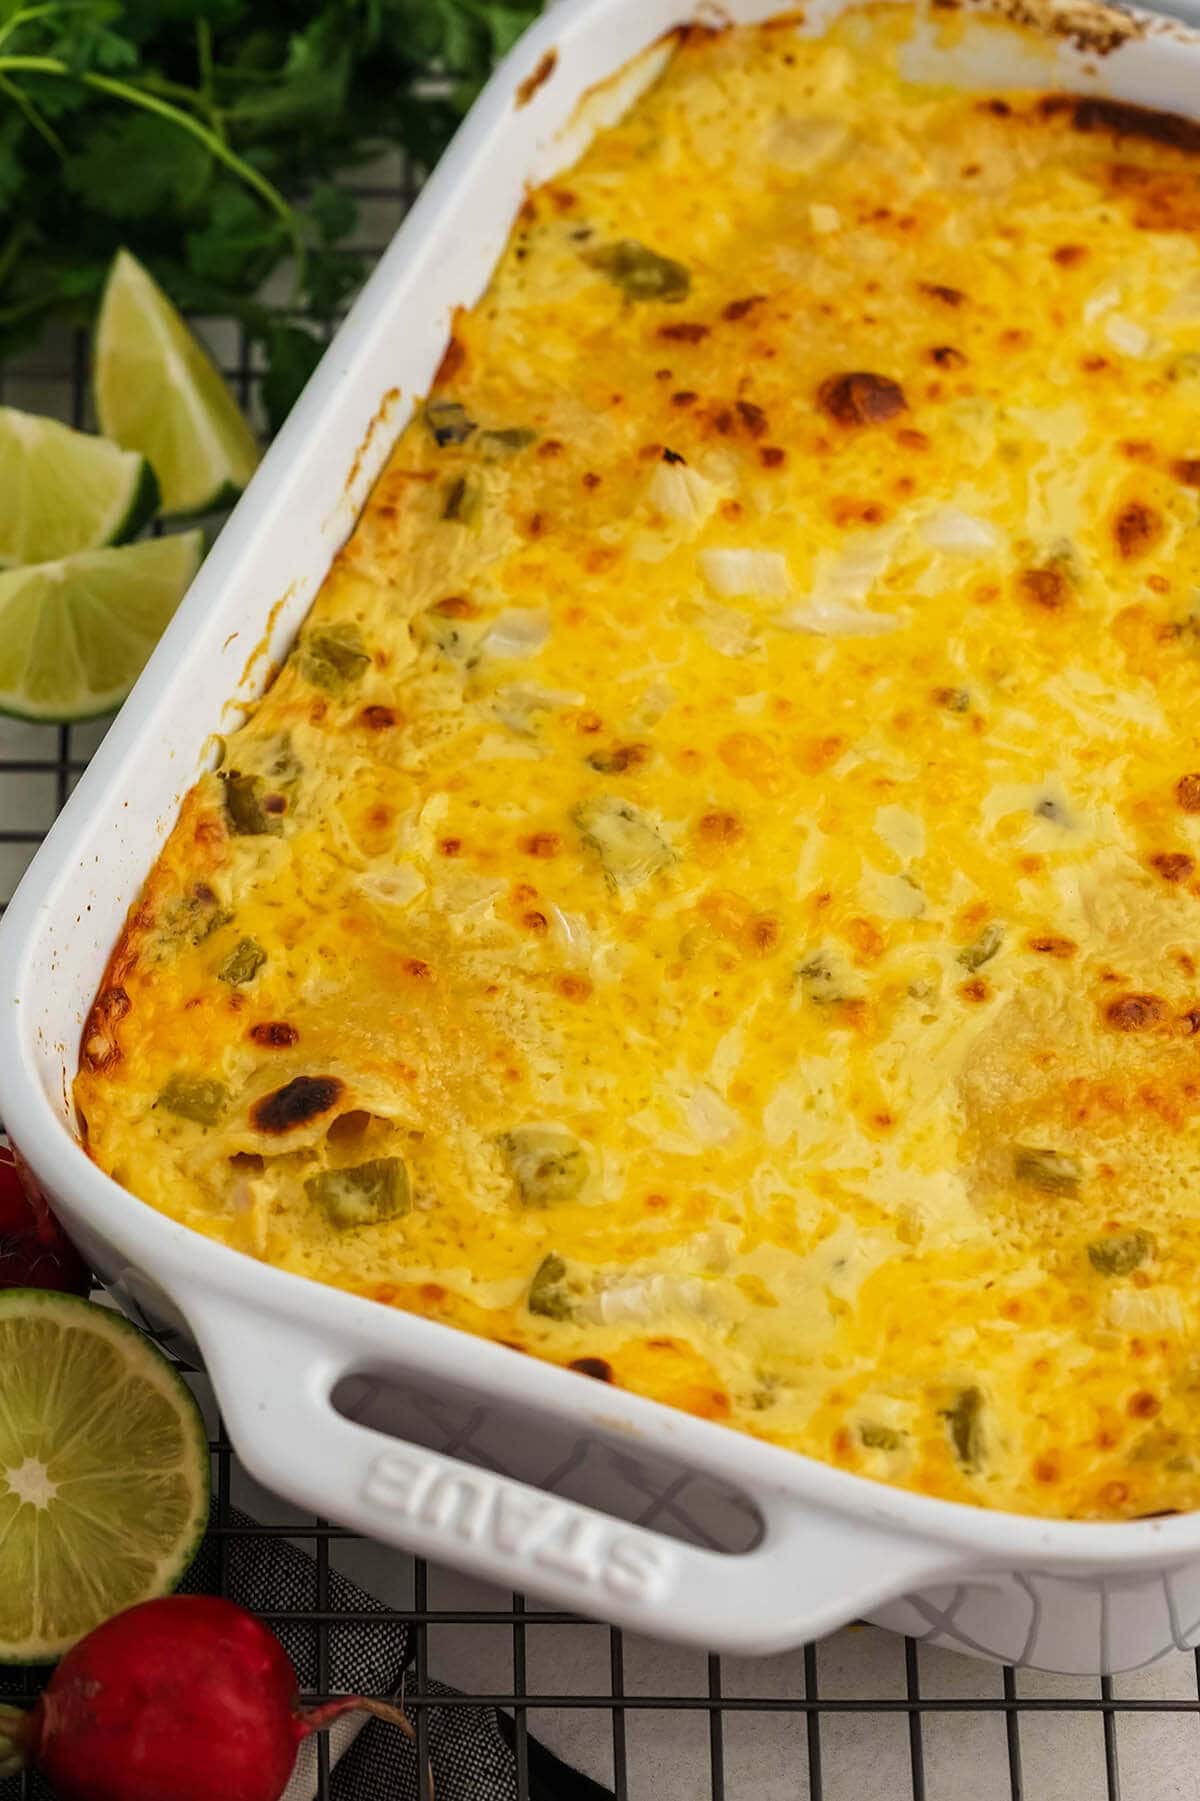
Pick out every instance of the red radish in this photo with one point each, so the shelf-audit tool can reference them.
(35, 1252)
(189, 1698)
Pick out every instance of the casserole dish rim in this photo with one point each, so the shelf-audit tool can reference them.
(217, 1288)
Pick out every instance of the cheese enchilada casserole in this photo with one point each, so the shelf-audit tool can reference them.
(710, 899)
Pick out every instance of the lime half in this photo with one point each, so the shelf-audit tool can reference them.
(158, 392)
(104, 1472)
(75, 634)
(65, 491)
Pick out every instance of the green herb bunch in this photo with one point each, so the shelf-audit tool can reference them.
(209, 137)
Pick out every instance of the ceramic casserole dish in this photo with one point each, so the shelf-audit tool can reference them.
(287, 1356)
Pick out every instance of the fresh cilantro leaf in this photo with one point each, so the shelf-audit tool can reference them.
(331, 278)
(92, 43)
(240, 241)
(332, 211)
(136, 163)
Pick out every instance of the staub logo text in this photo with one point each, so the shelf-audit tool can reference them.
(519, 1523)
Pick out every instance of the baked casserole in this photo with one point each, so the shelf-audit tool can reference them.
(710, 898)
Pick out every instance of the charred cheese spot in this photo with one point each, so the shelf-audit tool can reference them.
(1173, 865)
(1137, 528)
(1135, 1012)
(275, 1033)
(861, 399)
(297, 1103)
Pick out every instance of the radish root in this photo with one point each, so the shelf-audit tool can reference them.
(316, 1719)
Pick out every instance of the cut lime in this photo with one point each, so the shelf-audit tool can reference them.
(158, 392)
(104, 1472)
(75, 634)
(65, 491)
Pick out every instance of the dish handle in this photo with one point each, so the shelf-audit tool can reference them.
(812, 1570)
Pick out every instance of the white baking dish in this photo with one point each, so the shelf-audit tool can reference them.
(1059, 1595)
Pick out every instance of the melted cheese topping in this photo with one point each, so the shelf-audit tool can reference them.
(711, 897)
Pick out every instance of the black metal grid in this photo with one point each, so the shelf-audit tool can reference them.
(54, 756)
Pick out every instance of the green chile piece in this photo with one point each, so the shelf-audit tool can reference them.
(334, 656)
(244, 808)
(209, 921)
(880, 1438)
(974, 956)
(547, 1293)
(449, 421)
(630, 847)
(365, 1194)
(1051, 1171)
(461, 500)
(1121, 1254)
(821, 983)
(196, 915)
(458, 639)
(548, 1164)
(641, 273)
(194, 1097)
(964, 1421)
(506, 440)
(243, 963)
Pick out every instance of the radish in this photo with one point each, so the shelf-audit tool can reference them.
(188, 1698)
(35, 1252)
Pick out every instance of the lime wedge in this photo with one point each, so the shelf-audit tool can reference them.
(64, 490)
(157, 392)
(76, 633)
(104, 1472)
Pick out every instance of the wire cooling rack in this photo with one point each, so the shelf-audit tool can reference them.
(863, 1716)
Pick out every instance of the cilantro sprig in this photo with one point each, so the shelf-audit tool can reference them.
(209, 137)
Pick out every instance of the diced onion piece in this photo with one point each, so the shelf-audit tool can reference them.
(1126, 335)
(950, 528)
(828, 619)
(641, 1300)
(804, 144)
(519, 707)
(709, 1117)
(682, 493)
(570, 930)
(854, 570)
(899, 896)
(1147, 1310)
(1102, 301)
(732, 572)
(395, 887)
(517, 632)
(731, 633)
